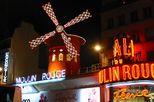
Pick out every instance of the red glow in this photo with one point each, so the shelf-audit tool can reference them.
(127, 72)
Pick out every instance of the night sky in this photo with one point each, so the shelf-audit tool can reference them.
(13, 12)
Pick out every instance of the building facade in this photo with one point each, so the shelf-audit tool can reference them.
(120, 18)
(133, 17)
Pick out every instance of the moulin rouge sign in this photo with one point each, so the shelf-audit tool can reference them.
(127, 72)
(59, 74)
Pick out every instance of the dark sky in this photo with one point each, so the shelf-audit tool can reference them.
(13, 12)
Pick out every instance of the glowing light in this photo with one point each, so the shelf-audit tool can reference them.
(124, 94)
(40, 82)
(69, 46)
(1, 69)
(53, 57)
(79, 18)
(48, 9)
(123, 49)
(117, 48)
(128, 83)
(127, 72)
(6, 66)
(34, 43)
(97, 47)
(54, 76)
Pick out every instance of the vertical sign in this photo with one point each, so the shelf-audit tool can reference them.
(123, 49)
(6, 66)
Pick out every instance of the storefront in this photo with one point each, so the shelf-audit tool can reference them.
(58, 88)
(128, 82)
(72, 95)
(131, 91)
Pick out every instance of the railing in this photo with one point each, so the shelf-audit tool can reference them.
(92, 68)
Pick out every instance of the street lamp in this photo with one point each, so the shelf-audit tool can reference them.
(1, 69)
(97, 48)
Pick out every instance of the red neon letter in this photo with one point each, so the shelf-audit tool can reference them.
(145, 70)
(110, 74)
(135, 71)
(152, 70)
(101, 76)
(116, 74)
(126, 72)
(117, 48)
(124, 46)
(105, 76)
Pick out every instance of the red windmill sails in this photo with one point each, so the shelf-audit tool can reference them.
(60, 29)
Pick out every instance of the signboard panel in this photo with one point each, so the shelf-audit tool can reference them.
(126, 72)
(74, 95)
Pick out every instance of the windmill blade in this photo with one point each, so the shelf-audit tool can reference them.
(34, 43)
(48, 9)
(70, 48)
(79, 18)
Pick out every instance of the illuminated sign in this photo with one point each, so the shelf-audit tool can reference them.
(53, 75)
(27, 79)
(123, 49)
(127, 48)
(91, 94)
(6, 66)
(124, 94)
(56, 75)
(127, 72)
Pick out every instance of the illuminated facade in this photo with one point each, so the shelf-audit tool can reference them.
(122, 82)
(129, 78)
(130, 17)
(60, 58)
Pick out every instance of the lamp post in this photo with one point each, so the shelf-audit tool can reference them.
(98, 48)
(1, 76)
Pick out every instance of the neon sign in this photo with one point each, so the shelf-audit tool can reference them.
(123, 49)
(127, 72)
(6, 66)
(53, 75)
(27, 79)
(123, 94)
(45, 77)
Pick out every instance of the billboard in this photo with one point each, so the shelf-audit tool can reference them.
(74, 95)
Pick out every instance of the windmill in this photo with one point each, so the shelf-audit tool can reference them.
(60, 29)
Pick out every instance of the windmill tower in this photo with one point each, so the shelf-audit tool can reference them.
(64, 49)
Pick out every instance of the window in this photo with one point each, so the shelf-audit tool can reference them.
(68, 57)
(60, 57)
(150, 55)
(149, 34)
(110, 42)
(110, 23)
(134, 16)
(136, 37)
(53, 57)
(147, 12)
(121, 20)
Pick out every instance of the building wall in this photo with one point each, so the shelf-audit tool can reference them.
(25, 61)
(135, 18)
